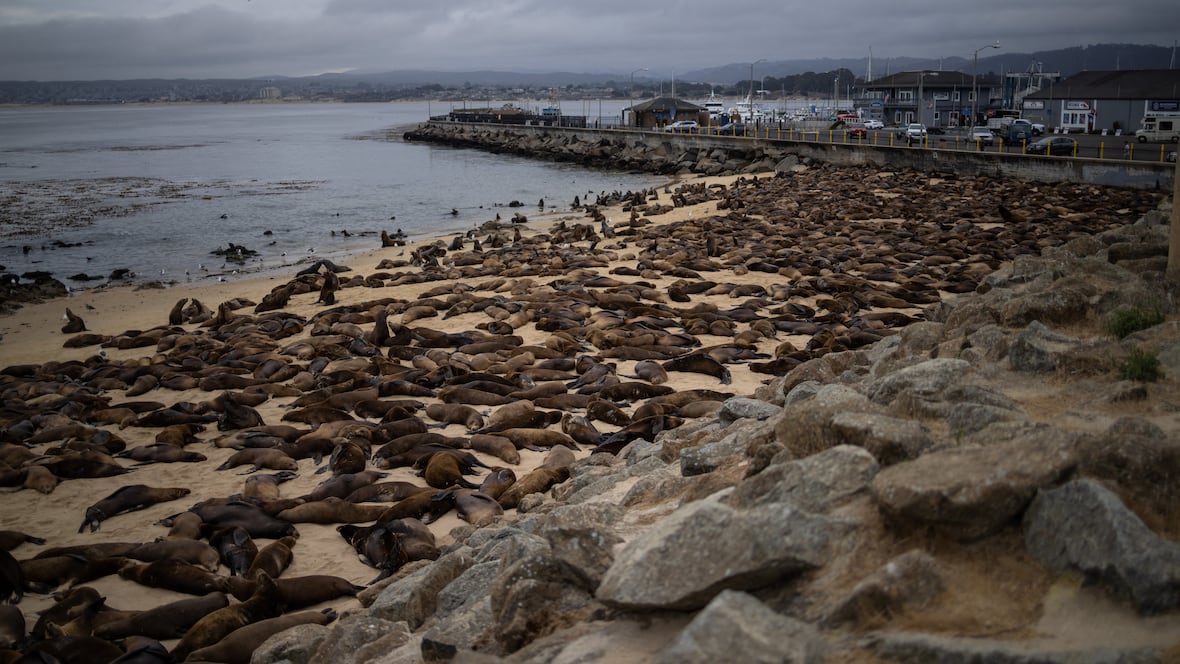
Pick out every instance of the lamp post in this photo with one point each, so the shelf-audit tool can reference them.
(750, 97)
(631, 94)
(921, 102)
(974, 72)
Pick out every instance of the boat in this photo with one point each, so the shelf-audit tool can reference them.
(714, 105)
(748, 111)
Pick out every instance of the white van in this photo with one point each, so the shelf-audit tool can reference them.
(1159, 127)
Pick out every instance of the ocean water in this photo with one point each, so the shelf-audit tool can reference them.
(157, 189)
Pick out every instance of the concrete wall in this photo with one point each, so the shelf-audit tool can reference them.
(1138, 175)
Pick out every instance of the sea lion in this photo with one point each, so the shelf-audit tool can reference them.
(143, 650)
(161, 453)
(127, 499)
(186, 525)
(73, 649)
(10, 539)
(348, 458)
(632, 391)
(236, 549)
(194, 552)
(298, 592)
(497, 446)
(651, 371)
(73, 569)
(534, 439)
(174, 575)
(475, 507)
(167, 621)
(535, 481)
(702, 364)
(605, 411)
(263, 604)
(12, 579)
(340, 486)
(377, 546)
(466, 395)
(272, 560)
(331, 510)
(417, 506)
(249, 516)
(74, 323)
(580, 429)
(12, 627)
(237, 646)
(384, 492)
(455, 413)
(260, 458)
(497, 481)
(266, 487)
(443, 470)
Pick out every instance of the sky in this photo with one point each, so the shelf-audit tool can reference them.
(124, 39)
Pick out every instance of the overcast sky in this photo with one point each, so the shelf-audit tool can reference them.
(119, 39)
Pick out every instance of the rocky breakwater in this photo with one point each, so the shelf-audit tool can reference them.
(665, 155)
(983, 486)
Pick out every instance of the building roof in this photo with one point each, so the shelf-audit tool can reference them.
(1121, 84)
(930, 79)
(666, 104)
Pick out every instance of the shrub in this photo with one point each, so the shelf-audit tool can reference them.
(1132, 319)
(1141, 365)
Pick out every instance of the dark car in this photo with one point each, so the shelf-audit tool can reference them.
(1053, 145)
(935, 130)
(731, 129)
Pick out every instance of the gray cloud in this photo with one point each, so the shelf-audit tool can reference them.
(83, 39)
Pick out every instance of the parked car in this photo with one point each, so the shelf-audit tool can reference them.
(682, 126)
(1019, 130)
(874, 124)
(1171, 157)
(935, 131)
(731, 129)
(857, 132)
(1053, 145)
(982, 135)
(915, 131)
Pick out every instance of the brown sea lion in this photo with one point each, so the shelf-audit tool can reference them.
(127, 499)
(266, 487)
(497, 481)
(263, 604)
(249, 516)
(537, 438)
(384, 492)
(443, 470)
(331, 510)
(475, 507)
(702, 364)
(73, 569)
(167, 621)
(194, 552)
(161, 453)
(260, 458)
(237, 646)
(455, 413)
(236, 549)
(186, 525)
(10, 539)
(651, 371)
(12, 627)
(580, 429)
(418, 506)
(632, 391)
(497, 446)
(342, 485)
(298, 592)
(535, 481)
(175, 575)
(272, 560)
(605, 411)
(12, 579)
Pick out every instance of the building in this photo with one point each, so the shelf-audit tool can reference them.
(662, 111)
(270, 92)
(933, 98)
(1111, 101)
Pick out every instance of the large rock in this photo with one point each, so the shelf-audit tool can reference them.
(910, 580)
(973, 491)
(736, 627)
(415, 597)
(889, 439)
(931, 377)
(805, 427)
(815, 484)
(918, 648)
(536, 596)
(1063, 303)
(1084, 527)
(294, 646)
(350, 634)
(684, 560)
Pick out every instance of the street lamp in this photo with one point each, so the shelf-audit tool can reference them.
(921, 103)
(974, 72)
(631, 93)
(750, 97)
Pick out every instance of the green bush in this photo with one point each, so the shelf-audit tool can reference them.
(1132, 319)
(1142, 366)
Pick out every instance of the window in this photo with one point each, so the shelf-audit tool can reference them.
(905, 95)
(955, 95)
(1165, 125)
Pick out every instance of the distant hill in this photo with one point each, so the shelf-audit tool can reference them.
(1068, 61)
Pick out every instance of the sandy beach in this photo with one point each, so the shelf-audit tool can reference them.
(629, 276)
(33, 336)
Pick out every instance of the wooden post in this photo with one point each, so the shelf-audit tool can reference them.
(1174, 229)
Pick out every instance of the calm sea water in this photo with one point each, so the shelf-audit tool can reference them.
(167, 185)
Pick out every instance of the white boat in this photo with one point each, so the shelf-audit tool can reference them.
(749, 112)
(714, 105)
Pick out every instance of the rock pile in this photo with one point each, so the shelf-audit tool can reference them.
(935, 496)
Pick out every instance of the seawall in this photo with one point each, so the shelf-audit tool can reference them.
(685, 154)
